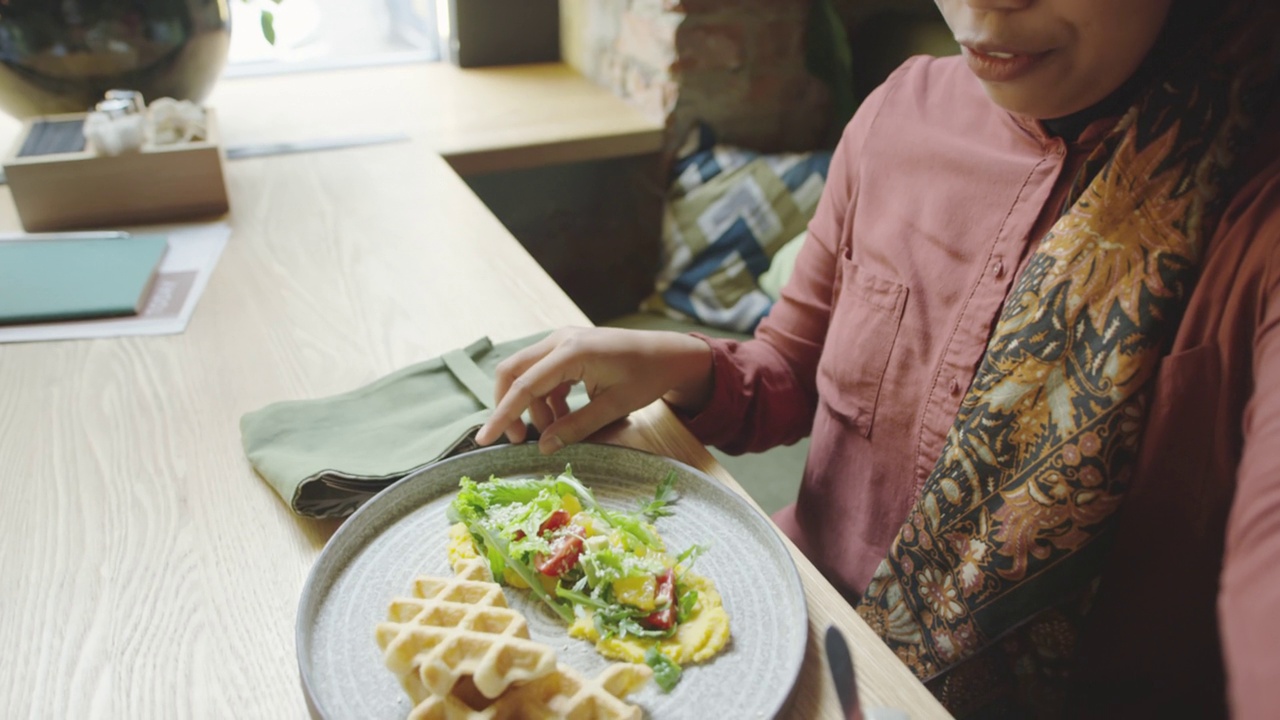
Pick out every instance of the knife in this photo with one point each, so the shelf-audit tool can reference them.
(840, 662)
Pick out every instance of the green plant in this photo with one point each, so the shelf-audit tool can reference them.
(268, 22)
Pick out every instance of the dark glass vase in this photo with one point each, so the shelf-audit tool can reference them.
(62, 55)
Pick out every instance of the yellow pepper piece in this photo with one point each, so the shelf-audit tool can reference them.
(549, 583)
(570, 504)
(636, 591)
(514, 580)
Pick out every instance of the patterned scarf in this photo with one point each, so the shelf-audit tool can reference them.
(1007, 539)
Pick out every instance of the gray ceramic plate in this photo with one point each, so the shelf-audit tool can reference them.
(402, 533)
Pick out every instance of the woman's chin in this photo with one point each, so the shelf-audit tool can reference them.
(1029, 102)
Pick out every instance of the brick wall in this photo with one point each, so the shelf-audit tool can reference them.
(736, 64)
(625, 45)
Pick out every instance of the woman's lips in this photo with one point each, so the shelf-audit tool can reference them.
(1000, 66)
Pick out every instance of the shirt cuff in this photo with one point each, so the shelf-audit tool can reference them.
(719, 420)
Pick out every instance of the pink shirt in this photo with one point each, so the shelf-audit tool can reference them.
(934, 201)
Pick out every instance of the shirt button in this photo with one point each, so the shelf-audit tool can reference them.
(954, 387)
(998, 269)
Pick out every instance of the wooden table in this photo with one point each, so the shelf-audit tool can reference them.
(148, 572)
(480, 120)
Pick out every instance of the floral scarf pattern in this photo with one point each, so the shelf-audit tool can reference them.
(1006, 540)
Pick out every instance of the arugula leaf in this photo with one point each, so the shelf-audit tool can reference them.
(684, 606)
(686, 559)
(495, 543)
(600, 564)
(602, 628)
(632, 526)
(665, 670)
(496, 563)
(612, 618)
(579, 598)
(628, 626)
(665, 495)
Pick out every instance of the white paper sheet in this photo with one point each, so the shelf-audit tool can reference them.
(184, 272)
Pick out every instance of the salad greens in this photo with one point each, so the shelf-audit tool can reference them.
(665, 672)
(579, 557)
(665, 495)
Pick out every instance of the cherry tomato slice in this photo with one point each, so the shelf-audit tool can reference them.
(564, 555)
(556, 519)
(665, 594)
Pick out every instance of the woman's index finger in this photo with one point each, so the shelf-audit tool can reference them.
(525, 385)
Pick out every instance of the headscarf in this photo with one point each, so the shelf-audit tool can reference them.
(1008, 536)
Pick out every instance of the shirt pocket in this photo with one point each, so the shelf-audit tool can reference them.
(1180, 437)
(860, 337)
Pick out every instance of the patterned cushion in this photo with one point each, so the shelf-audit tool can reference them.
(728, 211)
(779, 272)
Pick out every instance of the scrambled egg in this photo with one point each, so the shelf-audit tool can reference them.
(460, 546)
(699, 638)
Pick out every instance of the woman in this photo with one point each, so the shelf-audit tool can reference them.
(1034, 335)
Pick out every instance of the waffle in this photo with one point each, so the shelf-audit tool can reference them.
(563, 694)
(460, 628)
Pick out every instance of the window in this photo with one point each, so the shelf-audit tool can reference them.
(322, 34)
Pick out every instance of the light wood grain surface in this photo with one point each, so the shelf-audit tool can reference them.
(148, 572)
(480, 119)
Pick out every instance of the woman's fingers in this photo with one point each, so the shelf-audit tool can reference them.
(623, 370)
(524, 388)
(516, 432)
(505, 374)
(547, 410)
(558, 400)
(576, 426)
(540, 413)
(516, 365)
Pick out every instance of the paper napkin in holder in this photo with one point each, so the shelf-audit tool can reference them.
(110, 168)
(327, 456)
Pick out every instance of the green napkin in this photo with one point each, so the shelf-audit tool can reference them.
(327, 456)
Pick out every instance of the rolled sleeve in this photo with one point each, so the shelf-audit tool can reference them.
(1249, 595)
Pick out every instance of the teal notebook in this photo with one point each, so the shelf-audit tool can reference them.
(47, 280)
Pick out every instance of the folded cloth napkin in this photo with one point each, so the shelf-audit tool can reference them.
(327, 456)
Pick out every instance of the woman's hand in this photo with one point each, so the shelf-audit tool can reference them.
(624, 370)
